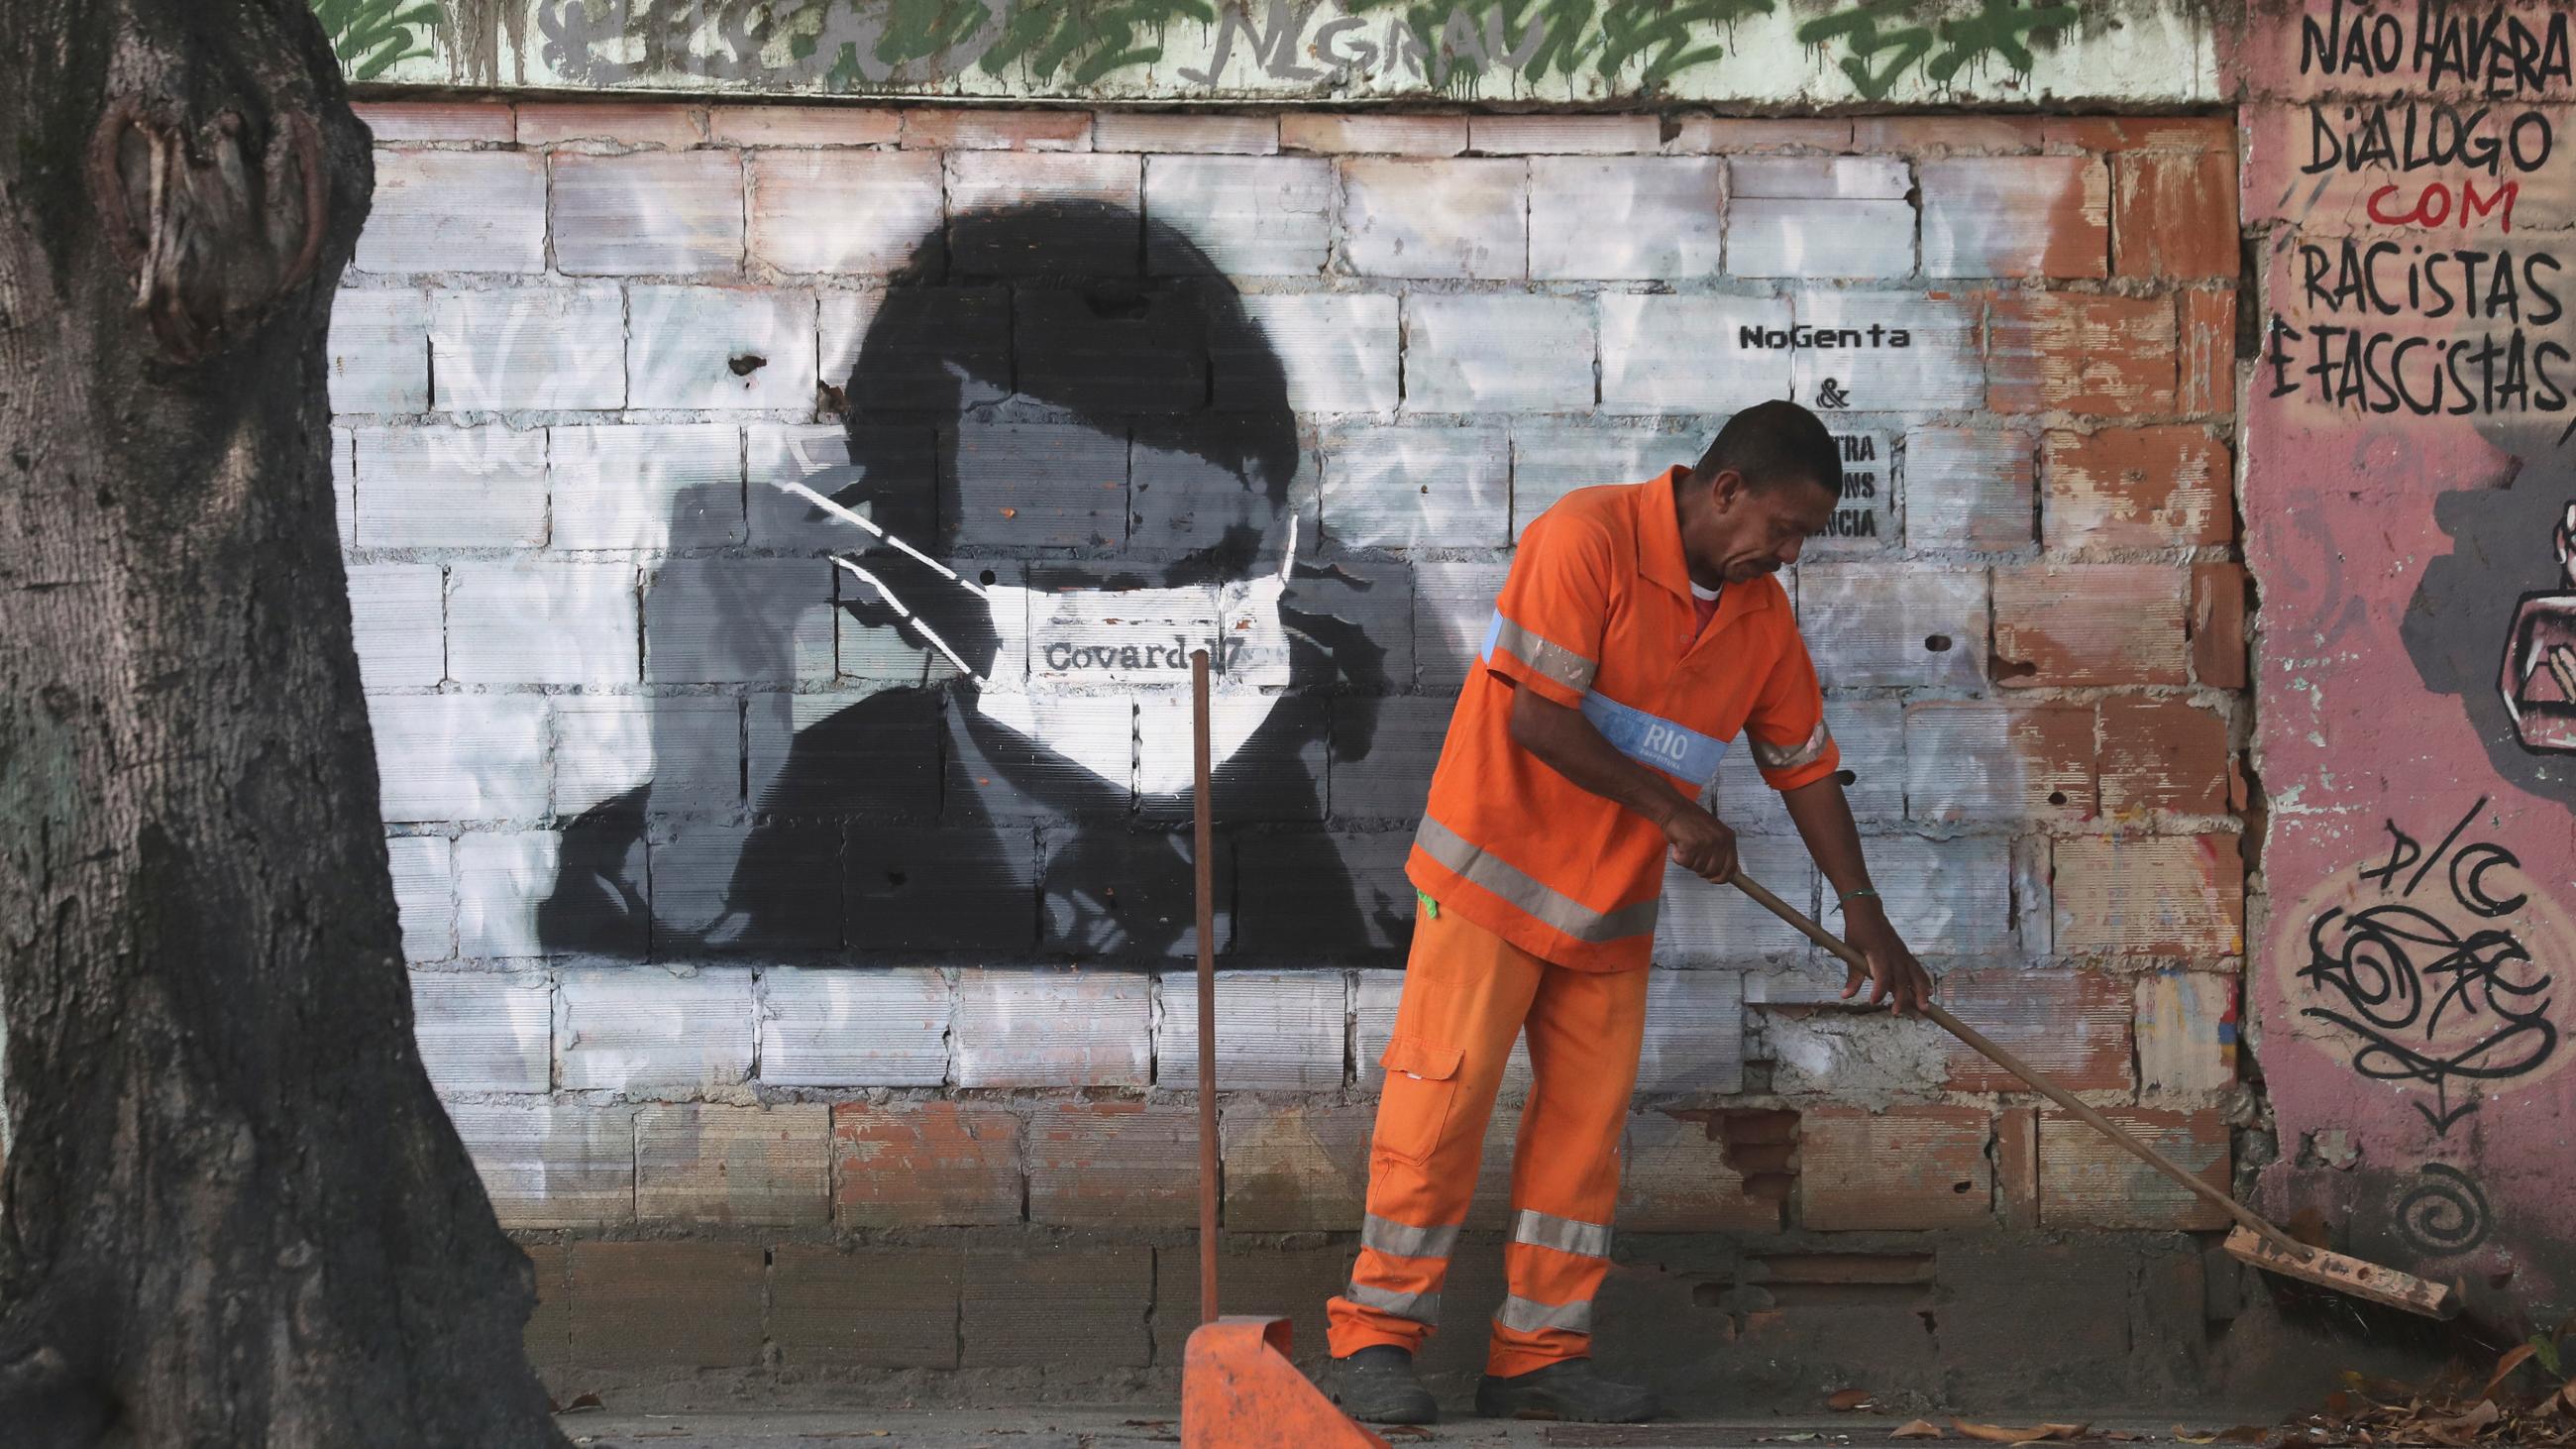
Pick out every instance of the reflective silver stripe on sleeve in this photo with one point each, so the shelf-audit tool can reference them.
(1551, 660)
(1565, 1235)
(1541, 901)
(1773, 757)
(1419, 1307)
(1405, 1240)
(1520, 1315)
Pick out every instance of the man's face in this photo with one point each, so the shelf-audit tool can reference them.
(1750, 531)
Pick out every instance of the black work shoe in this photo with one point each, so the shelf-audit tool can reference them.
(1570, 1391)
(1376, 1386)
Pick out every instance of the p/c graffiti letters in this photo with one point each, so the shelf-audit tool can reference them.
(2435, 988)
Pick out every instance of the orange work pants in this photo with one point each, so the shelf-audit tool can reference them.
(1467, 994)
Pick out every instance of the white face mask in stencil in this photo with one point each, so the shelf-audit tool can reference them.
(1061, 656)
(1062, 653)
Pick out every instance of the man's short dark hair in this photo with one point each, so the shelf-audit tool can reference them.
(1772, 443)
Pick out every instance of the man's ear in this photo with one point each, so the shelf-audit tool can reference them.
(1726, 488)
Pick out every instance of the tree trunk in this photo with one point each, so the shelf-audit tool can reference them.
(234, 1212)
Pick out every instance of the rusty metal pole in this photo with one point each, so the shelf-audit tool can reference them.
(1204, 856)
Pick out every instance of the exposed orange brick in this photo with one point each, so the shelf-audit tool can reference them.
(2156, 896)
(1975, 759)
(2208, 363)
(2139, 133)
(1681, 1174)
(2217, 624)
(2015, 216)
(1902, 1168)
(436, 120)
(2162, 754)
(1182, 132)
(2082, 354)
(805, 125)
(1958, 135)
(542, 123)
(666, 1305)
(1129, 1164)
(919, 1164)
(1373, 135)
(2078, 624)
(2088, 1181)
(1735, 135)
(2073, 1025)
(2017, 1166)
(2173, 214)
(702, 1162)
(1300, 1168)
(2136, 488)
(968, 129)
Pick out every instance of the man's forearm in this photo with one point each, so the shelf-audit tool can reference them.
(1569, 744)
(1824, 821)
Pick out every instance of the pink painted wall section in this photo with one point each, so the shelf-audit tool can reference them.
(2410, 472)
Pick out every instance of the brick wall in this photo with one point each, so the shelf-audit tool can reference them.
(610, 662)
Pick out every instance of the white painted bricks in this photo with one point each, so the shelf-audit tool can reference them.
(1709, 925)
(1633, 218)
(1682, 354)
(397, 615)
(1497, 354)
(424, 895)
(502, 877)
(720, 347)
(1417, 487)
(982, 180)
(1894, 624)
(460, 756)
(853, 1028)
(1946, 897)
(542, 623)
(484, 1033)
(1339, 349)
(767, 1165)
(652, 486)
(1249, 216)
(649, 213)
(1279, 1031)
(1464, 218)
(1552, 460)
(528, 349)
(644, 1028)
(1969, 489)
(456, 211)
(449, 487)
(1824, 217)
(568, 1165)
(1694, 1034)
(842, 211)
(379, 350)
(1939, 368)
(1053, 1029)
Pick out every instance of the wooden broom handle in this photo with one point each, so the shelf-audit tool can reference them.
(2038, 1081)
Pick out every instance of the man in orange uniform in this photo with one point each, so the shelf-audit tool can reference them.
(1640, 630)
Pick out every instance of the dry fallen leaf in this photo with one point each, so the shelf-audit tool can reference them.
(2002, 1434)
(2185, 1436)
(1403, 1431)
(2513, 1359)
(1844, 1401)
(1917, 1429)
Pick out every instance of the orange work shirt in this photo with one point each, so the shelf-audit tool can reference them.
(1596, 609)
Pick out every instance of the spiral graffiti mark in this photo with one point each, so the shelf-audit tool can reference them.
(2437, 991)
(2443, 1214)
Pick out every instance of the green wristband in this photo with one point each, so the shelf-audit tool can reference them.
(1869, 891)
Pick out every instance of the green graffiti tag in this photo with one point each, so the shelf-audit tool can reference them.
(373, 36)
(1604, 47)
(2000, 30)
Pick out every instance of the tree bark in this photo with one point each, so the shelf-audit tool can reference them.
(233, 1213)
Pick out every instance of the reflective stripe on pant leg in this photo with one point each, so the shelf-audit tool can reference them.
(1592, 1240)
(1520, 1315)
(1405, 1240)
(1419, 1307)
